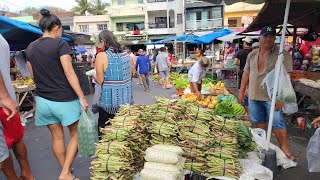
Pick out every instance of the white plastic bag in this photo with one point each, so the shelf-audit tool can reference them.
(313, 152)
(285, 92)
(252, 171)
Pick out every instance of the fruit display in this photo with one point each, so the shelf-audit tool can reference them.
(206, 102)
(210, 143)
(24, 82)
(218, 88)
(315, 55)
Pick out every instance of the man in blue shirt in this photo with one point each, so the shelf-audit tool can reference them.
(144, 65)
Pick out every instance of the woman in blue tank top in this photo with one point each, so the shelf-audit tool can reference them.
(114, 74)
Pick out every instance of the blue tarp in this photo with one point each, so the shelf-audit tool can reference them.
(188, 38)
(20, 34)
(81, 49)
(209, 38)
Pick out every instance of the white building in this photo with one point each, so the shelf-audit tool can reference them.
(164, 18)
(91, 25)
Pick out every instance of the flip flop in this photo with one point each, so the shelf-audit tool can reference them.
(290, 156)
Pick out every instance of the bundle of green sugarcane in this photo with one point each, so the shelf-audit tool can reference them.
(163, 128)
(222, 152)
(165, 116)
(221, 167)
(131, 110)
(171, 105)
(225, 141)
(195, 112)
(219, 123)
(128, 121)
(110, 166)
(118, 148)
(195, 126)
(245, 141)
(159, 139)
(195, 166)
(116, 133)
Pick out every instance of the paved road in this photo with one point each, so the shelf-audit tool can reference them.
(45, 167)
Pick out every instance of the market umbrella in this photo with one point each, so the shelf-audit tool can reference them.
(209, 38)
(20, 34)
(81, 49)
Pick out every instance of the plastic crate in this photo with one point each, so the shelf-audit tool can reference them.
(309, 128)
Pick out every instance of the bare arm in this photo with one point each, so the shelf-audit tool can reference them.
(10, 107)
(237, 61)
(244, 84)
(101, 66)
(30, 69)
(72, 78)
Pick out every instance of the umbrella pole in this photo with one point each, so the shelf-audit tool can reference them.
(277, 72)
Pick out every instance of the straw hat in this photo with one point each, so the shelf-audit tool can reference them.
(204, 62)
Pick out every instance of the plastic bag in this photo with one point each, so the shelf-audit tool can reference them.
(313, 152)
(285, 93)
(87, 134)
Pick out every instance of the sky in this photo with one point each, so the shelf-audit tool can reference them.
(17, 5)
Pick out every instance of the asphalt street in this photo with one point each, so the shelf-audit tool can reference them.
(45, 167)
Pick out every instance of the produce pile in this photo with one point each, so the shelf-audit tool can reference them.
(212, 144)
(222, 104)
(24, 82)
(119, 153)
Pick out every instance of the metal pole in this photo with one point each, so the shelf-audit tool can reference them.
(277, 71)
(294, 41)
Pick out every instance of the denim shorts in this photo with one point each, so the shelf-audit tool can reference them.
(163, 74)
(259, 112)
(52, 112)
(4, 151)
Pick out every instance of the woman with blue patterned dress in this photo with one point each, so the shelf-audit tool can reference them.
(113, 69)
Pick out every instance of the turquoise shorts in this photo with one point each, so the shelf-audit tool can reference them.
(52, 112)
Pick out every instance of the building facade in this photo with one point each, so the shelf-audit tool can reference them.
(203, 16)
(164, 18)
(127, 21)
(240, 15)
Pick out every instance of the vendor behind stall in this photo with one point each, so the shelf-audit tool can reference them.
(197, 73)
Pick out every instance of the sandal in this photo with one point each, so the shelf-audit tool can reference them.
(290, 156)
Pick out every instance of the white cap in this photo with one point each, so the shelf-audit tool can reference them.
(248, 40)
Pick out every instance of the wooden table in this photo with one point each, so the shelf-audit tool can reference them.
(21, 95)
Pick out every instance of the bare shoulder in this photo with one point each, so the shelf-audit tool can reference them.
(101, 57)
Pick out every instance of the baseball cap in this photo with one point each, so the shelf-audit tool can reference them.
(204, 62)
(268, 30)
(248, 40)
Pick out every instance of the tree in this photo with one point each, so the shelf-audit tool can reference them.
(98, 8)
(29, 10)
(83, 7)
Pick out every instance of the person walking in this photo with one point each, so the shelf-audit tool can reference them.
(10, 108)
(241, 56)
(133, 60)
(163, 66)
(240, 61)
(113, 73)
(259, 63)
(13, 129)
(144, 65)
(59, 97)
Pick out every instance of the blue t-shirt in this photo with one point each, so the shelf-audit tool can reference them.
(144, 65)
